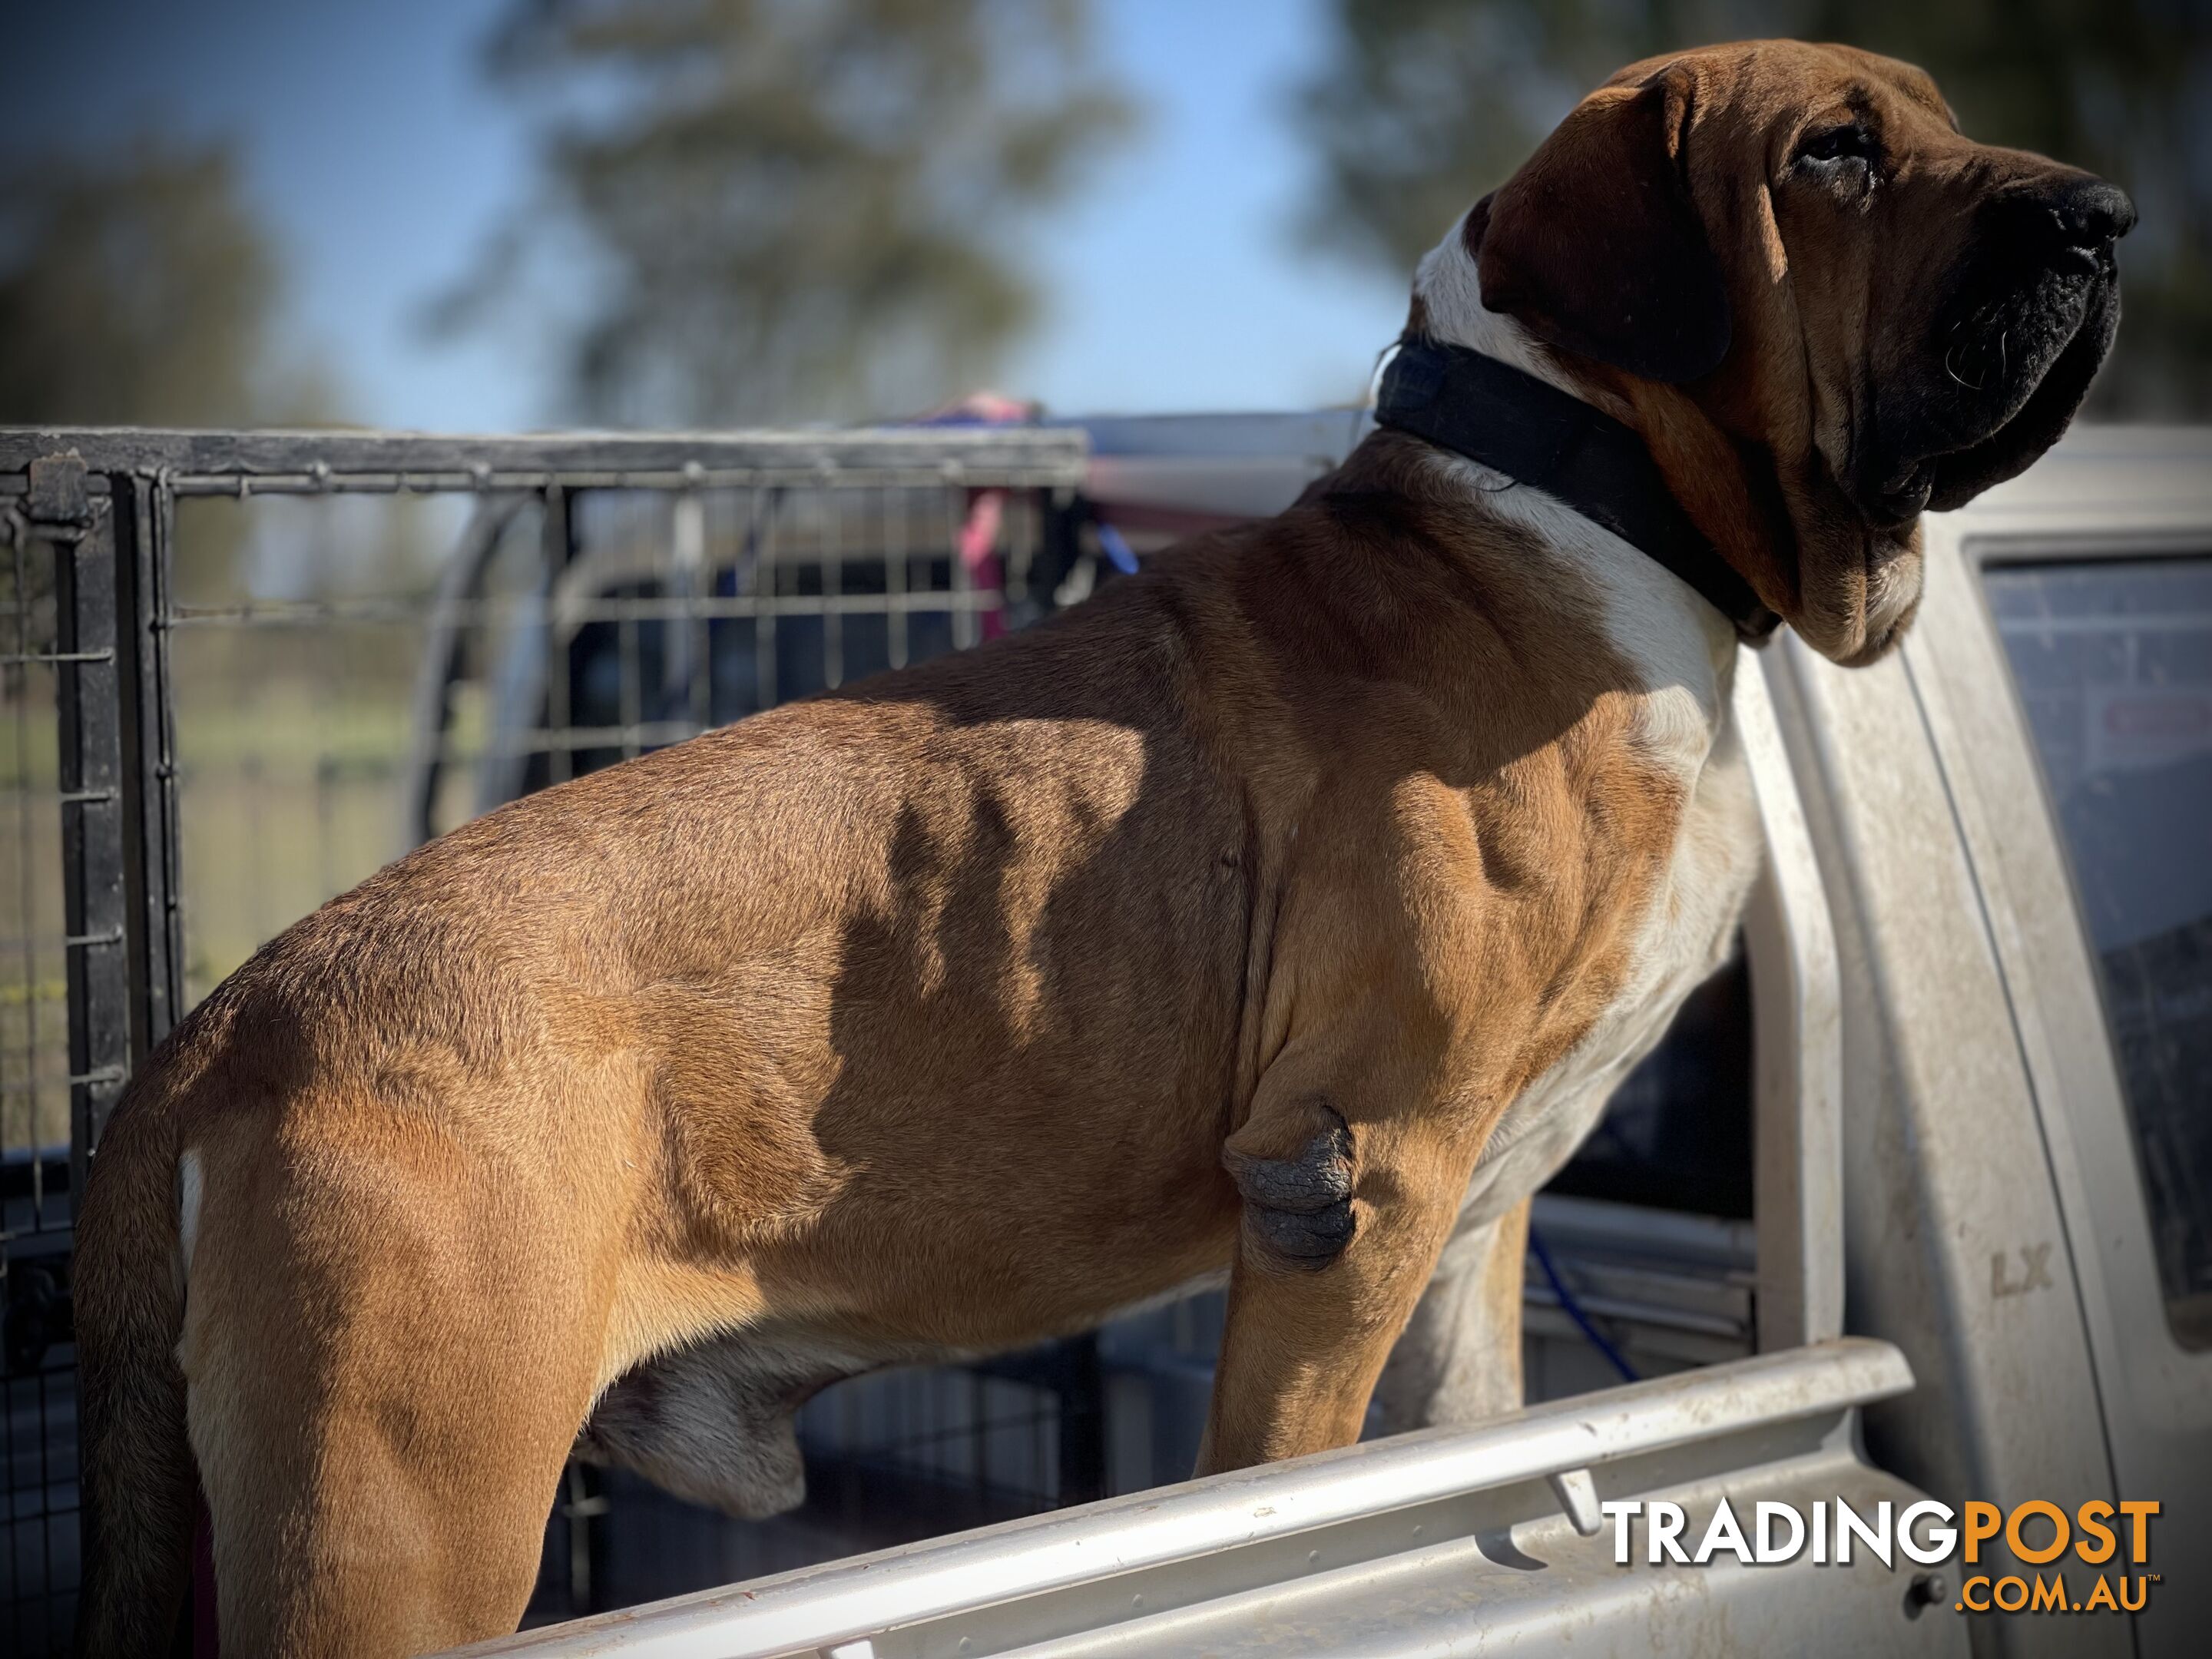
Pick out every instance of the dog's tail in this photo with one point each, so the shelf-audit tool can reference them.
(139, 1489)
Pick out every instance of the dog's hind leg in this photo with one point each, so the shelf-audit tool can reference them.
(388, 1346)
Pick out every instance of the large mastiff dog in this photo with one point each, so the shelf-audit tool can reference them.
(1281, 911)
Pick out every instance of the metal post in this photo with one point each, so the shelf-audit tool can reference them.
(1082, 1422)
(460, 582)
(583, 1506)
(80, 528)
(145, 538)
(1797, 1177)
(558, 545)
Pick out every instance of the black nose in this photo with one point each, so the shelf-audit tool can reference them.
(2090, 213)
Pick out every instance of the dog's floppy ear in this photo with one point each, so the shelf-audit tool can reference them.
(1594, 244)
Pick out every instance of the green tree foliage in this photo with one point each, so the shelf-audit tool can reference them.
(138, 287)
(1427, 104)
(135, 288)
(792, 209)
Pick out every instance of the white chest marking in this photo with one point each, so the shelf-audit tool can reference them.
(1684, 652)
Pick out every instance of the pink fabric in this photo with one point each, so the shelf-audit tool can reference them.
(989, 408)
(979, 541)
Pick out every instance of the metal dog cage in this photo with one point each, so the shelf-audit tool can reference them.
(242, 671)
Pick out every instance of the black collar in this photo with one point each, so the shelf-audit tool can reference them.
(1551, 441)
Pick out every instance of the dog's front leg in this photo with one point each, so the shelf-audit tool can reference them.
(1345, 1205)
(1459, 1360)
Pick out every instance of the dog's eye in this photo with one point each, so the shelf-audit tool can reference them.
(1845, 143)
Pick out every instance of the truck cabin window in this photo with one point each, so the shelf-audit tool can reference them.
(2114, 666)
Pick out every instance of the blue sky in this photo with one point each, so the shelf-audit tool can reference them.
(380, 159)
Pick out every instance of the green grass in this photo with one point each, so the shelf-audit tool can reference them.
(285, 799)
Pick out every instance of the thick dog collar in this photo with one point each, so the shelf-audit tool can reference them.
(1539, 435)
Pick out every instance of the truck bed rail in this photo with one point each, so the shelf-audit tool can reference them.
(1237, 1532)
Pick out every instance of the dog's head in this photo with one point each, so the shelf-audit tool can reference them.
(1826, 308)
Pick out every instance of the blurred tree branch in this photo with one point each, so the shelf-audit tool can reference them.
(137, 288)
(1424, 105)
(793, 209)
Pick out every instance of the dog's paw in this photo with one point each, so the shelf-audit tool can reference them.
(1298, 1210)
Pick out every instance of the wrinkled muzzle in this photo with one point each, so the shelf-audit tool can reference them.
(2008, 355)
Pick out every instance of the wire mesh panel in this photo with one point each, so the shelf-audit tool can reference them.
(38, 1568)
(83, 927)
(307, 654)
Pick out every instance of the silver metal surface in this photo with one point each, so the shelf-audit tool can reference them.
(1536, 1587)
(2108, 494)
(1797, 1044)
(1947, 1171)
(1081, 1569)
